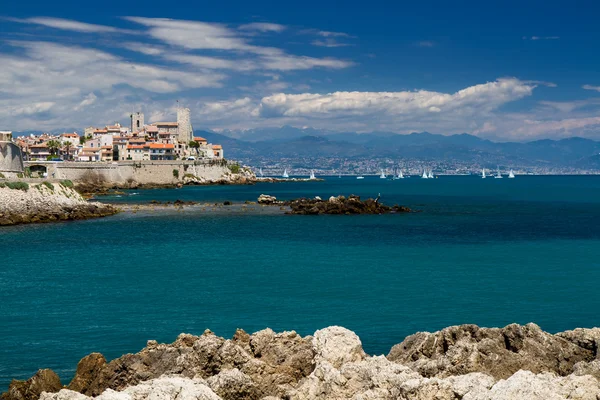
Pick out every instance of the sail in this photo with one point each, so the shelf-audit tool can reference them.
(382, 176)
(483, 173)
(425, 176)
(430, 175)
(312, 174)
(511, 174)
(400, 175)
(285, 174)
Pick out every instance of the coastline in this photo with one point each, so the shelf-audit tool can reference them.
(23, 203)
(459, 362)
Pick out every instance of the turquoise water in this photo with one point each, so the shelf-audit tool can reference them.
(489, 252)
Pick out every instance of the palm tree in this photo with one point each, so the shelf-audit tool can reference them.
(53, 146)
(68, 146)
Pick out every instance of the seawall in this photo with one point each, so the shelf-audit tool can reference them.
(123, 173)
(463, 362)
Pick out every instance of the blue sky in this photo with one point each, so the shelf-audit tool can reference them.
(499, 70)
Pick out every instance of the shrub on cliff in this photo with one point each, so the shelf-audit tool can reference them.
(234, 168)
(48, 185)
(24, 186)
(67, 183)
(176, 173)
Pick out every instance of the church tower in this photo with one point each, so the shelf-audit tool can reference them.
(137, 122)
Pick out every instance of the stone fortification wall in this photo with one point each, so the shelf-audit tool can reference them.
(141, 172)
(11, 160)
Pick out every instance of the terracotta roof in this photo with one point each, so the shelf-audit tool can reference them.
(151, 128)
(199, 139)
(217, 147)
(131, 146)
(161, 146)
(100, 131)
(38, 146)
(70, 135)
(165, 124)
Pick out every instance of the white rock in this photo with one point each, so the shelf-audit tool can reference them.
(337, 345)
(164, 388)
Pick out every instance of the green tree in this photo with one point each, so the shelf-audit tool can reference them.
(68, 147)
(53, 146)
(194, 145)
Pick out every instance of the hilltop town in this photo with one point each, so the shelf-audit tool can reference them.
(156, 141)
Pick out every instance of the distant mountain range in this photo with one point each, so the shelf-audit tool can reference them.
(290, 142)
(572, 152)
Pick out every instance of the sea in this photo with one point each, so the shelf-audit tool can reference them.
(480, 251)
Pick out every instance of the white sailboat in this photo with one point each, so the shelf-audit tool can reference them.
(425, 176)
(285, 174)
(430, 174)
(511, 174)
(400, 175)
(382, 175)
(260, 172)
(312, 175)
(483, 173)
(360, 177)
(498, 176)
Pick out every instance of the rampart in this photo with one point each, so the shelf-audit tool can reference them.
(127, 172)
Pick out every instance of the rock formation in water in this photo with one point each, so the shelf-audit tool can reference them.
(341, 205)
(458, 363)
(24, 203)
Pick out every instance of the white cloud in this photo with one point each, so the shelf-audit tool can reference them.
(329, 42)
(590, 87)
(332, 34)
(70, 25)
(195, 34)
(262, 27)
(143, 48)
(89, 100)
(472, 100)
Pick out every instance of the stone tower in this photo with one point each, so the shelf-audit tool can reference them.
(137, 122)
(11, 159)
(185, 132)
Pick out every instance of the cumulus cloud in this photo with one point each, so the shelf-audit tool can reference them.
(475, 99)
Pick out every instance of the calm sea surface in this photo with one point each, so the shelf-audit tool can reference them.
(489, 252)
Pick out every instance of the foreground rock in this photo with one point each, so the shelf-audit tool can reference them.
(22, 203)
(342, 205)
(531, 364)
(45, 380)
(499, 352)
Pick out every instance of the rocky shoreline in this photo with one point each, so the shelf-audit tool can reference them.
(463, 362)
(23, 203)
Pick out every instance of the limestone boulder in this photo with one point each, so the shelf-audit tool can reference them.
(545, 386)
(165, 388)
(337, 346)
(499, 352)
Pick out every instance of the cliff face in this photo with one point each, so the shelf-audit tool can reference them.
(22, 203)
(458, 363)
